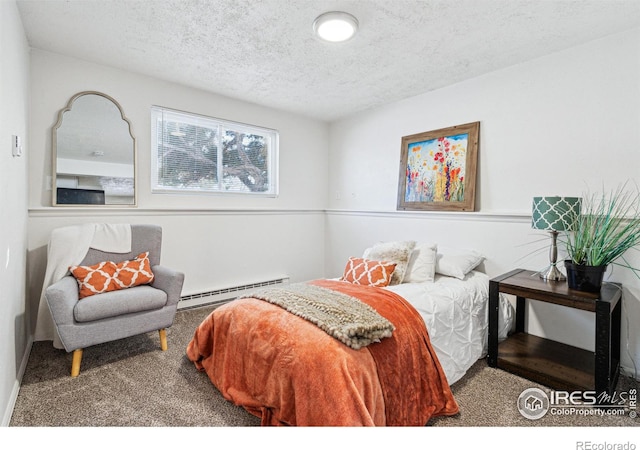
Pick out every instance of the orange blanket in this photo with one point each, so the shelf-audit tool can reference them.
(287, 371)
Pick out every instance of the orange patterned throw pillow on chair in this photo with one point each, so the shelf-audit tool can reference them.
(368, 272)
(95, 279)
(108, 276)
(135, 272)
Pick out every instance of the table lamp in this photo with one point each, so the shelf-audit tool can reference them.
(554, 214)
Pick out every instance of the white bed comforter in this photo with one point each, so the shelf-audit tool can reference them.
(455, 312)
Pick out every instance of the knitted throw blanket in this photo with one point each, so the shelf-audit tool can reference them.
(346, 318)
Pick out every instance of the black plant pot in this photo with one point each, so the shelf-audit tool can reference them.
(584, 278)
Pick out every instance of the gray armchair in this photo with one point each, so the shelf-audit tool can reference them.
(118, 314)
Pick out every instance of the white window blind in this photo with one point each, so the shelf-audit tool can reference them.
(194, 153)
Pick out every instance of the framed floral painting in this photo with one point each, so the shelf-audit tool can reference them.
(438, 169)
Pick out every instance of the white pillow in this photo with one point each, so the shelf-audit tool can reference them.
(422, 264)
(457, 263)
(397, 252)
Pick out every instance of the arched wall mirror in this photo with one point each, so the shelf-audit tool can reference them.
(94, 153)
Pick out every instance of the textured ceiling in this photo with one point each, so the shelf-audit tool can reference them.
(264, 51)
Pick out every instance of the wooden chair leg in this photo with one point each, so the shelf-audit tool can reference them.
(75, 364)
(163, 339)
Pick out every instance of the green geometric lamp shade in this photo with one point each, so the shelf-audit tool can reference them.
(555, 213)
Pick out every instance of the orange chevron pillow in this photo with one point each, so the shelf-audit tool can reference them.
(108, 276)
(368, 272)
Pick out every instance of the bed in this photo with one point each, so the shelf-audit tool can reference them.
(455, 313)
(287, 370)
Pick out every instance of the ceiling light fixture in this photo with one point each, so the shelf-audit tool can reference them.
(335, 26)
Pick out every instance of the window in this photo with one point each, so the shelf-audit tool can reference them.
(193, 153)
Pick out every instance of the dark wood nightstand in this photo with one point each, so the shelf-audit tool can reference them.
(554, 364)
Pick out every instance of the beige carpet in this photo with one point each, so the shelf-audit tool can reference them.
(132, 383)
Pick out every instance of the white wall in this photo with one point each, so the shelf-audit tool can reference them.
(56, 78)
(562, 124)
(14, 111)
(217, 241)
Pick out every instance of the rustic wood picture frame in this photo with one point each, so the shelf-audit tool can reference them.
(438, 169)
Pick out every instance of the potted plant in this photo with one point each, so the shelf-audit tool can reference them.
(607, 227)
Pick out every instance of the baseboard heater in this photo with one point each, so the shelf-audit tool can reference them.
(220, 296)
